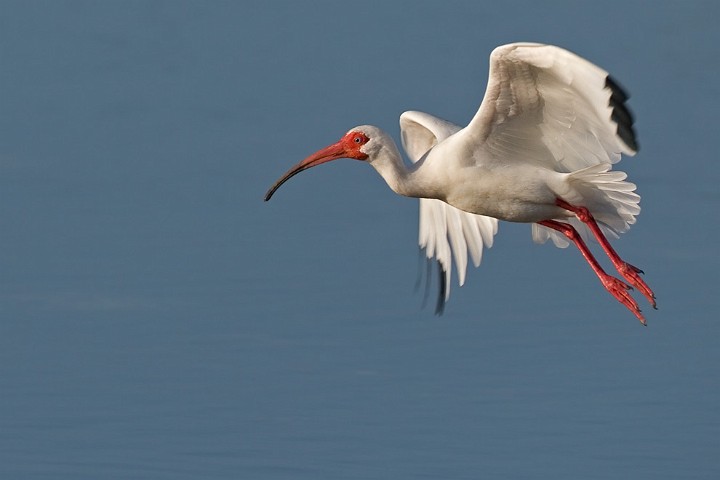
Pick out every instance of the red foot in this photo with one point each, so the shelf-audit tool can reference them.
(616, 287)
(619, 290)
(629, 272)
(632, 275)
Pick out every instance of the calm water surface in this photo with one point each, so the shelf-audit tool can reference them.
(158, 320)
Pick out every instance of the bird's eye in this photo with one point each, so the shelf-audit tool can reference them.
(358, 139)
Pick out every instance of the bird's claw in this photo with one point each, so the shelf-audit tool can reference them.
(619, 290)
(632, 275)
(635, 269)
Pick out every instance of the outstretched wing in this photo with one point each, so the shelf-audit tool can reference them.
(445, 232)
(546, 105)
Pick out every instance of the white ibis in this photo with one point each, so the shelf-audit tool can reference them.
(539, 150)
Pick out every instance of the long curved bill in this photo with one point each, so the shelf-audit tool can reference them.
(329, 153)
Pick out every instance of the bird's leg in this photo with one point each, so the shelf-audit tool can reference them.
(616, 287)
(629, 272)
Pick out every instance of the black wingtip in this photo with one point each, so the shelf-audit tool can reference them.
(621, 115)
(619, 94)
(442, 281)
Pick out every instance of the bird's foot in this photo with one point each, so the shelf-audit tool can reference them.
(632, 275)
(619, 290)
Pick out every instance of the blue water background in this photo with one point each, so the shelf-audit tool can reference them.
(159, 321)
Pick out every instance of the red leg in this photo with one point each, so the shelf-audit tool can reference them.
(616, 287)
(629, 272)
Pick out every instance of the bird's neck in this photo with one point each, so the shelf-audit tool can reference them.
(403, 180)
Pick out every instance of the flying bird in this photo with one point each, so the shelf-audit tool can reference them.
(539, 150)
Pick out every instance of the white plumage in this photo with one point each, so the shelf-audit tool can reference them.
(539, 149)
(444, 230)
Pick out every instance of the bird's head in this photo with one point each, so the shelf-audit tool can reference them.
(360, 143)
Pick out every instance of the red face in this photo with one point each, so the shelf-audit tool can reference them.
(347, 147)
(352, 143)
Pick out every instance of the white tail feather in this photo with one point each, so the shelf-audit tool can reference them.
(611, 200)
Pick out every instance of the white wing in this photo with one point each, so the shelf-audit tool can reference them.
(548, 106)
(445, 232)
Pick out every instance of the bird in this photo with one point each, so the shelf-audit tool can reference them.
(539, 150)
